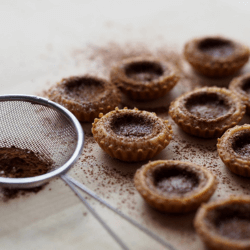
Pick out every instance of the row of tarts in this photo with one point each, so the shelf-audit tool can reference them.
(210, 112)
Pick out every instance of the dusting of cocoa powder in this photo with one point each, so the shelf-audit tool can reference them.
(7, 194)
(21, 163)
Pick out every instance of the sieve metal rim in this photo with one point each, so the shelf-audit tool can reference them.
(38, 180)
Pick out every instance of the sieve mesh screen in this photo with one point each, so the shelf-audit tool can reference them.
(41, 129)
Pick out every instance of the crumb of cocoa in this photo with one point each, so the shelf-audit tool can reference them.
(7, 194)
(105, 57)
(22, 163)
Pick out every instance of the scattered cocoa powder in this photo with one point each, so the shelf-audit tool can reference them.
(7, 194)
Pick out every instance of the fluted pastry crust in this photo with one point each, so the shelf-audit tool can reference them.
(131, 135)
(228, 111)
(85, 96)
(232, 148)
(144, 78)
(216, 56)
(218, 224)
(241, 86)
(172, 196)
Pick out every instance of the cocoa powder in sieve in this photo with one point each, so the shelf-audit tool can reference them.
(22, 163)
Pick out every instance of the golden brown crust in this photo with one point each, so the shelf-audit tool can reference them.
(131, 135)
(241, 86)
(85, 96)
(232, 148)
(144, 78)
(204, 185)
(210, 218)
(216, 56)
(203, 123)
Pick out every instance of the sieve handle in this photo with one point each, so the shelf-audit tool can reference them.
(70, 180)
(93, 212)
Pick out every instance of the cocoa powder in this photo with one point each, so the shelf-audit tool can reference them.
(22, 163)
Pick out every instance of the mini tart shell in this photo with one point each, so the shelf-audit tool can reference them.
(131, 149)
(237, 163)
(86, 110)
(237, 84)
(145, 90)
(211, 237)
(207, 128)
(175, 203)
(211, 66)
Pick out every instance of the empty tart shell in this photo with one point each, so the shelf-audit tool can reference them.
(234, 149)
(207, 112)
(144, 78)
(174, 186)
(131, 135)
(241, 86)
(225, 225)
(216, 56)
(85, 96)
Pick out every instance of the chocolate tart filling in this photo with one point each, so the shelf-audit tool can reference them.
(225, 224)
(207, 112)
(144, 78)
(232, 221)
(246, 85)
(241, 86)
(174, 180)
(85, 96)
(216, 56)
(83, 89)
(131, 135)
(234, 149)
(241, 144)
(130, 125)
(174, 186)
(207, 105)
(144, 71)
(216, 47)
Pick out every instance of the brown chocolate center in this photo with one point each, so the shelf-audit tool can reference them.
(207, 106)
(232, 221)
(241, 144)
(144, 71)
(84, 89)
(130, 125)
(175, 180)
(216, 47)
(246, 86)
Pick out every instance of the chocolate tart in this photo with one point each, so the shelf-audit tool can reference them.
(144, 78)
(85, 96)
(234, 149)
(131, 135)
(216, 56)
(207, 112)
(225, 225)
(174, 186)
(241, 86)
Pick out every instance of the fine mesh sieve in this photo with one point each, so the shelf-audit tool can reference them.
(44, 127)
(48, 129)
